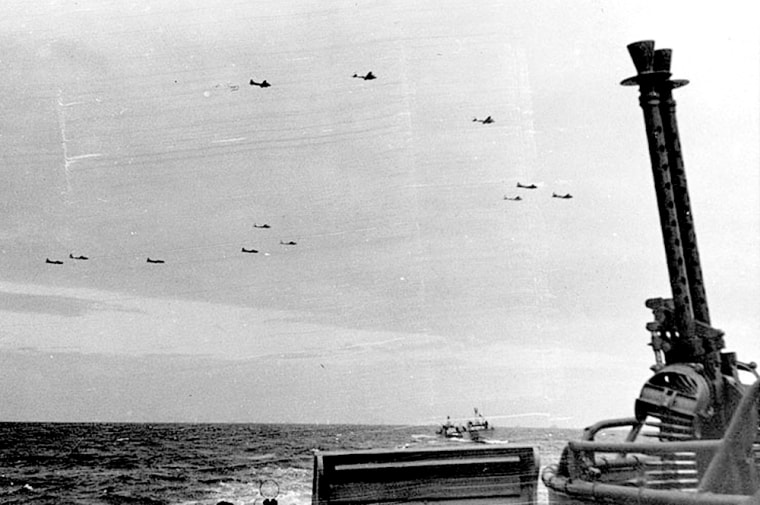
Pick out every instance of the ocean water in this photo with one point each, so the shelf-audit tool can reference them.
(196, 464)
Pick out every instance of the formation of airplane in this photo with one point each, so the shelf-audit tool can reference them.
(566, 196)
(160, 261)
(59, 262)
(487, 120)
(264, 84)
(368, 77)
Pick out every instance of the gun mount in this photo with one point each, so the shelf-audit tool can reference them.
(701, 421)
(696, 387)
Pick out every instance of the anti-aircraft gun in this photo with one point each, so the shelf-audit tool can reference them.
(695, 387)
(705, 445)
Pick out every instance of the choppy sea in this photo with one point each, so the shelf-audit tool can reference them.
(196, 464)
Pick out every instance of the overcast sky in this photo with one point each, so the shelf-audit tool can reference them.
(414, 291)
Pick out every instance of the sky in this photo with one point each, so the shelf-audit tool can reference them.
(414, 290)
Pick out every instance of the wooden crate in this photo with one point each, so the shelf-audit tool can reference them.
(506, 474)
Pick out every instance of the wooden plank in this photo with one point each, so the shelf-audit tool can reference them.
(421, 490)
(427, 462)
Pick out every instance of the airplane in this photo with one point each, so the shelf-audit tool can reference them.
(367, 77)
(260, 225)
(487, 120)
(249, 250)
(287, 243)
(566, 196)
(149, 260)
(528, 186)
(513, 198)
(53, 262)
(78, 257)
(262, 84)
